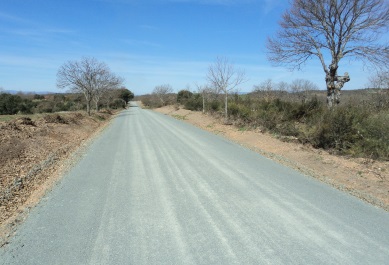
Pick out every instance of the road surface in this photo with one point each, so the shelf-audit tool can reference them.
(154, 190)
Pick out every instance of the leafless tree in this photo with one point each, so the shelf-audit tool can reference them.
(87, 76)
(265, 89)
(1, 90)
(223, 77)
(335, 29)
(162, 93)
(282, 86)
(108, 97)
(204, 91)
(104, 83)
(302, 88)
(379, 80)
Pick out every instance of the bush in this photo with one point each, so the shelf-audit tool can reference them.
(13, 104)
(55, 118)
(304, 110)
(239, 111)
(183, 96)
(44, 107)
(215, 105)
(118, 103)
(195, 102)
(373, 137)
(337, 129)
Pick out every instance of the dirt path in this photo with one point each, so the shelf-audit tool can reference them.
(364, 178)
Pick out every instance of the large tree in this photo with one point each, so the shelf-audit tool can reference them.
(87, 76)
(224, 78)
(331, 30)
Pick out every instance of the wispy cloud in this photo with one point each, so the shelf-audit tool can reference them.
(142, 43)
(148, 27)
(215, 2)
(28, 28)
(14, 19)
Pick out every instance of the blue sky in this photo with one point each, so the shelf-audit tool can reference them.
(148, 43)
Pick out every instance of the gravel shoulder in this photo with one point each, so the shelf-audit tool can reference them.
(364, 178)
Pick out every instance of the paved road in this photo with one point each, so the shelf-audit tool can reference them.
(154, 190)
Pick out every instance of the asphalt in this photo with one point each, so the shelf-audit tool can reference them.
(154, 190)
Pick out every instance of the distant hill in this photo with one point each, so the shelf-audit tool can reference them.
(14, 92)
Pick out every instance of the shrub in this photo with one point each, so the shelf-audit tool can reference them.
(195, 102)
(337, 129)
(44, 107)
(183, 96)
(215, 105)
(374, 137)
(239, 111)
(117, 104)
(13, 104)
(55, 118)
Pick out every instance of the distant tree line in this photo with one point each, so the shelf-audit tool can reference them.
(23, 103)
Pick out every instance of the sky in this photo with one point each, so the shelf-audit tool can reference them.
(147, 42)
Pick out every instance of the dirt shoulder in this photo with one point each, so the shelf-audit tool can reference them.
(364, 178)
(34, 153)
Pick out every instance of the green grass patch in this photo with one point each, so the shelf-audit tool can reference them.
(179, 117)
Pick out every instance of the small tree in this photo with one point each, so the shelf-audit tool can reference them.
(223, 77)
(162, 93)
(203, 90)
(265, 89)
(335, 29)
(283, 86)
(302, 87)
(380, 80)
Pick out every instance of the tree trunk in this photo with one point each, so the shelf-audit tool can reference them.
(333, 89)
(333, 95)
(226, 108)
(88, 106)
(203, 103)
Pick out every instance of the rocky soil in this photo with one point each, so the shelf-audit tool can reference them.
(364, 178)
